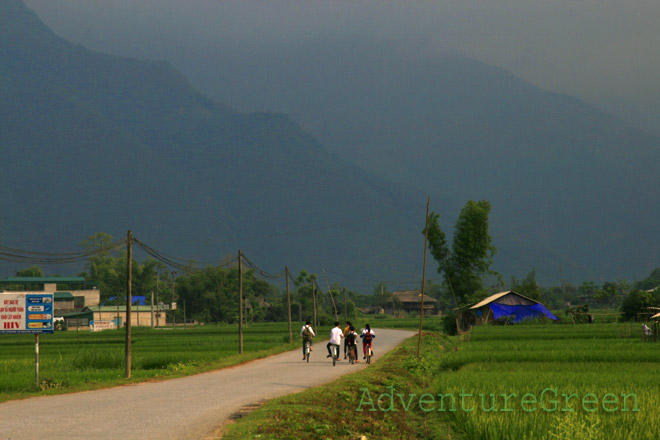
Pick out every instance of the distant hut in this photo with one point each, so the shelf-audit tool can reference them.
(375, 310)
(509, 305)
(411, 301)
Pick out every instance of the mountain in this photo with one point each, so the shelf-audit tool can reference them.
(93, 142)
(574, 191)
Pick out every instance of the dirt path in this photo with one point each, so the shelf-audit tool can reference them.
(188, 408)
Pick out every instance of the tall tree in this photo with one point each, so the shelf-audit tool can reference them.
(471, 252)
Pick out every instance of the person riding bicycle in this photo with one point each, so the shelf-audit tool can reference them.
(307, 334)
(346, 330)
(335, 339)
(367, 336)
(351, 342)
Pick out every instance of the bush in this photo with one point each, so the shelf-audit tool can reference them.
(449, 323)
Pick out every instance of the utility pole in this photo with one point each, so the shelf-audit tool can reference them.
(288, 302)
(185, 318)
(173, 301)
(157, 302)
(129, 300)
(240, 302)
(316, 322)
(345, 310)
(421, 312)
(334, 306)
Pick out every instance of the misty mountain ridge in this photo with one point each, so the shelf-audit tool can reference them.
(94, 142)
(572, 189)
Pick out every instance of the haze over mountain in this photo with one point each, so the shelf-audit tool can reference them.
(604, 52)
(93, 142)
(574, 191)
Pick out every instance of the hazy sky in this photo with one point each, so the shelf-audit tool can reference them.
(605, 51)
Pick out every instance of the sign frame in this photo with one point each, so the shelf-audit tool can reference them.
(26, 312)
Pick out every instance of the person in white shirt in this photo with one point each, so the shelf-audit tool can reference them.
(307, 334)
(335, 339)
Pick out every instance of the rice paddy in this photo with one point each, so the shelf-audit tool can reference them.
(72, 361)
(552, 382)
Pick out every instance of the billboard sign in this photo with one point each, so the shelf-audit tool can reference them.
(26, 313)
(98, 326)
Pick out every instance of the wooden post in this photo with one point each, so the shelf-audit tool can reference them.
(240, 302)
(173, 300)
(157, 302)
(334, 306)
(288, 302)
(345, 310)
(36, 360)
(129, 299)
(421, 312)
(316, 322)
(152, 309)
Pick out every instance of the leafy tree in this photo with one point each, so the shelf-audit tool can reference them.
(32, 271)
(527, 286)
(651, 282)
(471, 252)
(442, 294)
(639, 301)
(108, 268)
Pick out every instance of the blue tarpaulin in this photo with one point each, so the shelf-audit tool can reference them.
(520, 312)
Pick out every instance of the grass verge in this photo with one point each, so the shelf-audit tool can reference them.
(379, 402)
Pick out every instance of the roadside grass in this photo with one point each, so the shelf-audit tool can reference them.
(75, 361)
(349, 407)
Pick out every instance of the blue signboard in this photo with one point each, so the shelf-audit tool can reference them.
(26, 313)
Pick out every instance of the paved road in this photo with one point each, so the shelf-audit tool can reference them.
(188, 408)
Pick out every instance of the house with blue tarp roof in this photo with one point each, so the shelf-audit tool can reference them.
(511, 306)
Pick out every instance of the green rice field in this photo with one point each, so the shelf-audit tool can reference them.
(78, 360)
(545, 381)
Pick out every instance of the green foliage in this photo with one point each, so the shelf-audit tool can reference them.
(650, 282)
(437, 241)
(32, 271)
(638, 302)
(527, 286)
(578, 314)
(471, 252)
(449, 323)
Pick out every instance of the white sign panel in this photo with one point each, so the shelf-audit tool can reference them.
(98, 326)
(26, 313)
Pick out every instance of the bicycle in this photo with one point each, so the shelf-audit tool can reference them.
(368, 354)
(352, 354)
(335, 354)
(307, 350)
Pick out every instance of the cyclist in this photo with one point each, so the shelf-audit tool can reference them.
(367, 336)
(346, 330)
(351, 342)
(307, 334)
(335, 339)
